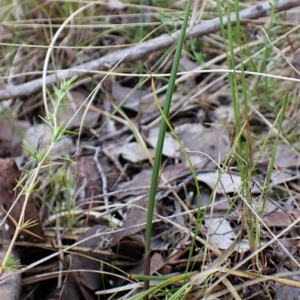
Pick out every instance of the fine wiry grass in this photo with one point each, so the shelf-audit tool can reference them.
(253, 90)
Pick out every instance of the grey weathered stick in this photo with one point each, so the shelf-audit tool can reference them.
(141, 50)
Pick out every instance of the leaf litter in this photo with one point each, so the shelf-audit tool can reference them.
(90, 205)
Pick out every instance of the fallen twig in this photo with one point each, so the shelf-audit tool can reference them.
(141, 50)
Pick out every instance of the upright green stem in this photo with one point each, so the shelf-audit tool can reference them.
(160, 143)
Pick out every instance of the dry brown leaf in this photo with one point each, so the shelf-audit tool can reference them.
(9, 175)
(10, 282)
(72, 111)
(224, 113)
(131, 152)
(279, 218)
(286, 156)
(228, 183)
(222, 235)
(296, 58)
(156, 263)
(286, 292)
(146, 104)
(70, 289)
(38, 138)
(135, 221)
(140, 183)
(86, 282)
(131, 249)
(266, 204)
(197, 139)
(73, 114)
(280, 176)
(171, 146)
(188, 65)
(293, 15)
(277, 252)
(87, 177)
(11, 136)
(220, 204)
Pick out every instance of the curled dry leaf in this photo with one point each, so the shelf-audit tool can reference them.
(228, 183)
(278, 217)
(131, 152)
(70, 289)
(171, 147)
(213, 142)
(222, 235)
(219, 206)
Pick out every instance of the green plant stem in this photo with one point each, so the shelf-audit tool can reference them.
(160, 143)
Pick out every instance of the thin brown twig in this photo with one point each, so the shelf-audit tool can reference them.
(141, 50)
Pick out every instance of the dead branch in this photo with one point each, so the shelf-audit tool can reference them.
(141, 50)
